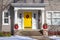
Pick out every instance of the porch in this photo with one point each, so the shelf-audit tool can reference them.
(29, 8)
(29, 18)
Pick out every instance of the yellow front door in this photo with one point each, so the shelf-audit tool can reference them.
(27, 20)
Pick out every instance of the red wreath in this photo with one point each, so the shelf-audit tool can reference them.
(16, 26)
(45, 26)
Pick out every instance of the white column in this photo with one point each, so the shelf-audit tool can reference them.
(42, 18)
(35, 20)
(15, 21)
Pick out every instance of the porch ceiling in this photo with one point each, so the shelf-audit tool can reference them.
(28, 4)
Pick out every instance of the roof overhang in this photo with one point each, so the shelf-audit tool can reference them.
(28, 4)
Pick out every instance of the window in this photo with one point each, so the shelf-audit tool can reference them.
(42, 1)
(20, 1)
(20, 15)
(33, 1)
(53, 17)
(34, 15)
(6, 18)
(38, 1)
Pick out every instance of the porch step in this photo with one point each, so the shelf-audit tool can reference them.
(29, 33)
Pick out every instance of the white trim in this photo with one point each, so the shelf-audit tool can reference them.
(23, 20)
(3, 18)
(35, 20)
(20, 21)
(52, 11)
(31, 8)
(15, 18)
(42, 18)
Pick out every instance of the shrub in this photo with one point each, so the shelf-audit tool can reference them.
(1, 34)
(5, 34)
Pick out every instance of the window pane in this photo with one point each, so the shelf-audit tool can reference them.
(48, 14)
(38, 1)
(20, 15)
(42, 1)
(5, 20)
(34, 15)
(21, 1)
(48, 21)
(6, 14)
(56, 15)
(56, 21)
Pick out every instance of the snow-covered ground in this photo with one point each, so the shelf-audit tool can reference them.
(54, 37)
(16, 38)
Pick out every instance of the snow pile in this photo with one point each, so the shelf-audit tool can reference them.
(54, 37)
(16, 38)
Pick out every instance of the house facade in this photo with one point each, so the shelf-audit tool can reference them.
(31, 15)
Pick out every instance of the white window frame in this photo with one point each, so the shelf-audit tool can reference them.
(4, 18)
(52, 18)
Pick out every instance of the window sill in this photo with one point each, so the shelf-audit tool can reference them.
(5, 24)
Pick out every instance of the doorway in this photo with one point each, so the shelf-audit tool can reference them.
(27, 20)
